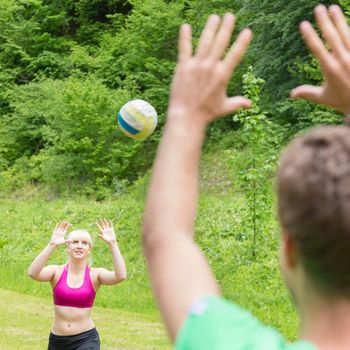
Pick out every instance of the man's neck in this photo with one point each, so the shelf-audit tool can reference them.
(326, 324)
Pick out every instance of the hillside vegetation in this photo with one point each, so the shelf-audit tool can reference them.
(68, 66)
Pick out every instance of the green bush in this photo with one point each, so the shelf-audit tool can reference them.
(65, 133)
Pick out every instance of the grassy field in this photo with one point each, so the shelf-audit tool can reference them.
(246, 267)
(26, 321)
(26, 228)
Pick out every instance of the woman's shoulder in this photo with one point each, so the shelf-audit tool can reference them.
(97, 271)
(58, 270)
(59, 267)
(94, 274)
(94, 271)
(55, 267)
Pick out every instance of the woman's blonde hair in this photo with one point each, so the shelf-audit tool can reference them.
(81, 234)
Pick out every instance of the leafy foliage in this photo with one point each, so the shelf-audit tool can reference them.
(262, 141)
(67, 66)
(277, 44)
(65, 132)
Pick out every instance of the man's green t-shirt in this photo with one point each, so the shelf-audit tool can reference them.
(216, 324)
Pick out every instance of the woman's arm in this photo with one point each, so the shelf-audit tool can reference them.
(109, 236)
(37, 270)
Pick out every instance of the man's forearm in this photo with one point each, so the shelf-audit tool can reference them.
(173, 191)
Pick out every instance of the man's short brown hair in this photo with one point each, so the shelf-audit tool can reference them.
(314, 204)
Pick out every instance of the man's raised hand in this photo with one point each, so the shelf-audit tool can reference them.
(333, 56)
(199, 86)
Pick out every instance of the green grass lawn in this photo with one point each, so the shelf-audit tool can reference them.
(246, 267)
(26, 321)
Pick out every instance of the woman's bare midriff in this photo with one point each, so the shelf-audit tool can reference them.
(71, 320)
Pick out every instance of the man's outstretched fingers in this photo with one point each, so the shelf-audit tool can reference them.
(341, 24)
(315, 44)
(234, 103)
(223, 36)
(329, 31)
(308, 92)
(185, 43)
(237, 50)
(208, 35)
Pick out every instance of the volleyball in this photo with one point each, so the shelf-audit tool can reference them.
(137, 119)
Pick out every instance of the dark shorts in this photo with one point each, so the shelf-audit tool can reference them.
(88, 340)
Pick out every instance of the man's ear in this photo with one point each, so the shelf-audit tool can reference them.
(290, 250)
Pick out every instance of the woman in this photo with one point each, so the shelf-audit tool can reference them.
(75, 285)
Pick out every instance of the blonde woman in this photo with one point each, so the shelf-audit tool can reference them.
(75, 284)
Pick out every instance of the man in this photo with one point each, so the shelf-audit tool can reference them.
(313, 194)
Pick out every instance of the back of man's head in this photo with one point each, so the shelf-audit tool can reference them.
(314, 204)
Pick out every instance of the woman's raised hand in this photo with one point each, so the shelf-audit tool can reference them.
(59, 233)
(107, 231)
(333, 56)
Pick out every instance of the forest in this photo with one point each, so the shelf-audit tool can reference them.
(68, 66)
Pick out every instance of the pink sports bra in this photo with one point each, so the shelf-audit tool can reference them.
(82, 297)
